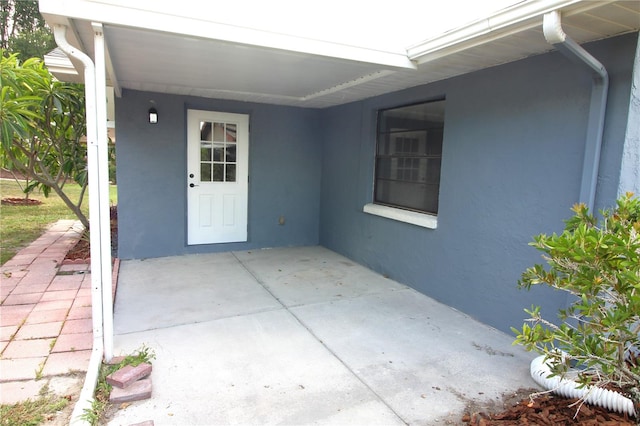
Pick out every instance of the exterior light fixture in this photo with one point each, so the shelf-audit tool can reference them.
(153, 115)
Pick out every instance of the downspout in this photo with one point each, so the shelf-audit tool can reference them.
(553, 33)
(552, 27)
(86, 395)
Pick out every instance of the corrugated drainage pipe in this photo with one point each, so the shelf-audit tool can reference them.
(611, 400)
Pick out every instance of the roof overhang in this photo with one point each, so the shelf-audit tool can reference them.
(153, 46)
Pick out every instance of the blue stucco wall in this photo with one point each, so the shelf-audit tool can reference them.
(511, 168)
(284, 168)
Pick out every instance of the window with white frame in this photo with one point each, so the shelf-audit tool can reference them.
(408, 156)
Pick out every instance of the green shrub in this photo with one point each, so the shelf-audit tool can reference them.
(599, 266)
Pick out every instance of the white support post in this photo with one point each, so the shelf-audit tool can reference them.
(102, 183)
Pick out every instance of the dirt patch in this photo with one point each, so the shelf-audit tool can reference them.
(20, 202)
(68, 387)
(82, 249)
(547, 409)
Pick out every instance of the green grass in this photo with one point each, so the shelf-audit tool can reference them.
(100, 403)
(21, 225)
(32, 412)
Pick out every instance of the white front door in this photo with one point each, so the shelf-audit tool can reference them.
(217, 177)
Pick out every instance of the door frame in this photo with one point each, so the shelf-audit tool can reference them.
(193, 116)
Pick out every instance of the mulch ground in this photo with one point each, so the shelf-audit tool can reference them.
(20, 202)
(82, 250)
(550, 410)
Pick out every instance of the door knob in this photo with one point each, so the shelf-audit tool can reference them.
(192, 185)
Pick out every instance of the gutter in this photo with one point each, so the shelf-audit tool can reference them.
(511, 20)
(553, 33)
(97, 219)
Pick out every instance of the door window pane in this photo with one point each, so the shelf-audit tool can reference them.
(231, 173)
(205, 172)
(218, 151)
(218, 132)
(231, 154)
(218, 173)
(205, 131)
(231, 132)
(205, 151)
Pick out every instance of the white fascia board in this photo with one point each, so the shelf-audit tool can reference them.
(129, 16)
(511, 20)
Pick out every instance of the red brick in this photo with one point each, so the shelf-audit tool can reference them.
(6, 332)
(137, 391)
(73, 326)
(81, 302)
(28, 348)
(116, 360)
(6, 289)
(74, 267)
(19, 260)
(65, 362)
(39, 331)
(49, 296)
(128, 375)
(79, 313)
(23, 299)
(73, 342)
(47, 316)
(38, 277)
(66, 282)
(12, 275)
(21, 368)
(84, 292)
(14, 314)
(18, 391)
(53, 305)
(32, 288)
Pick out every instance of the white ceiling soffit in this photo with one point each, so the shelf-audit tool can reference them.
(254, 66)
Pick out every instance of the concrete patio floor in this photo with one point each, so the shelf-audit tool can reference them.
(302, 336)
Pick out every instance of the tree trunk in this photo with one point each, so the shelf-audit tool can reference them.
(74, 208)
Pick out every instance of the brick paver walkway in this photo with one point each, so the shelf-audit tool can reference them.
(45, 314)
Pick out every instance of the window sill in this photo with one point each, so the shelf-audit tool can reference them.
(419, 219)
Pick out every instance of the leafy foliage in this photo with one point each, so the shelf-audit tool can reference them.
(42, 121)
(22, 29)
(599, 266)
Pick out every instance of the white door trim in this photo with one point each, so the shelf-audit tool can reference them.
(217, 211)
